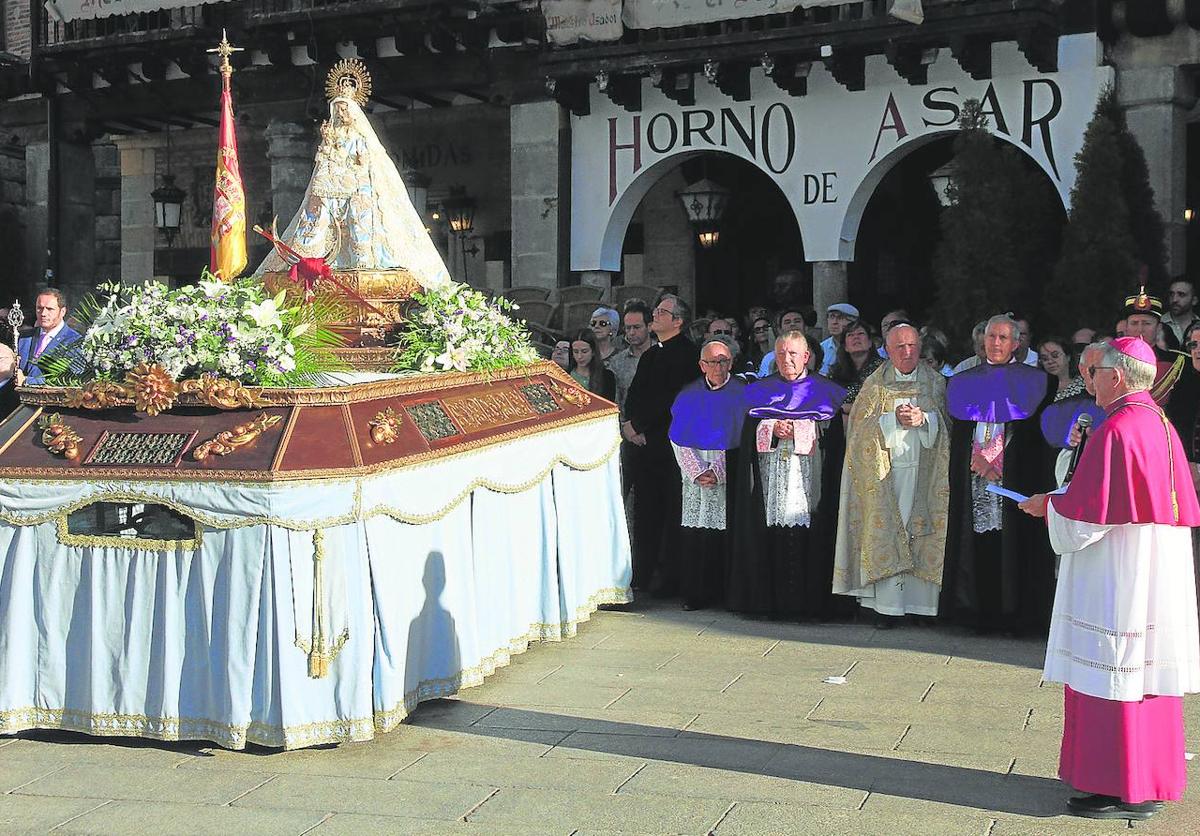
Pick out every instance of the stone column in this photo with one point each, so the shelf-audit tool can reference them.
(598, 278)
(537, 134)
(137, 211)
(1156, 101)
(290, 150)
(829, 286)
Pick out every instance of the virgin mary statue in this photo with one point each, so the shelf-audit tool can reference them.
(356, 213)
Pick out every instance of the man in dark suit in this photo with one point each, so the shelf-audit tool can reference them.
(657, 491)
(52, 332)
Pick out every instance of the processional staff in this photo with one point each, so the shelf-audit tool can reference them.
(16, 318)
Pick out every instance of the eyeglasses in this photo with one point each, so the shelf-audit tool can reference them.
(762, 329)
(720, 361)
(661, 310)
(1091, 370)
(596, 323)
(1191, 346)
(724, 331)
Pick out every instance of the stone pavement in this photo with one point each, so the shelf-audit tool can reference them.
(650, 721)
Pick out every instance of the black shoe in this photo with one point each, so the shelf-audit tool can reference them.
(1110, 807)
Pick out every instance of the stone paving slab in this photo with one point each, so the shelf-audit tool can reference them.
(650, 721)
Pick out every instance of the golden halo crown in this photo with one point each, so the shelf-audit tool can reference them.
(349, 78)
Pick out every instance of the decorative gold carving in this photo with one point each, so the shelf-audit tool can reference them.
(226, 441)
(385, 426)
(571, 394)
(58, 437)
(116, 541)
(100, 394)
(149, 389)
(486, 410)
(154, 391)
(376, 359)
(222, 394)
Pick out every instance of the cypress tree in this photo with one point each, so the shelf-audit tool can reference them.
(1098, 265)
(978, 265)
(1145, 222)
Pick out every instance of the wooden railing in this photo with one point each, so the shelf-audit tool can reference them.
(163, 23)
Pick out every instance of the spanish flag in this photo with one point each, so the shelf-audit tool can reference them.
(228, 258)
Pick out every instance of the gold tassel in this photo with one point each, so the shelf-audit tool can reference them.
(318, 657)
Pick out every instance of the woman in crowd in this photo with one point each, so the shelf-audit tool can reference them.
(856, 359)
(606, 327)
(562, 354)
(1056, 361)
(762, 342)
(588, 369)
(933, 354)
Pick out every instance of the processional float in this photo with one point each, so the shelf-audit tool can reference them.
(224, 522)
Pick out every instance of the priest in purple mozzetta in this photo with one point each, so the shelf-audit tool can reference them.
(777, 568)
(706, 427)
(1124, 639)
(998, 574)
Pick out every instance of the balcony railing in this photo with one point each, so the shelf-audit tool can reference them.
(157, 25)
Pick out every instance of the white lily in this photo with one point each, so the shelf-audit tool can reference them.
(264, 314)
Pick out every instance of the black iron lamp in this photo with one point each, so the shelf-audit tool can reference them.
(168, 202)
(459, 209)
(705, 202)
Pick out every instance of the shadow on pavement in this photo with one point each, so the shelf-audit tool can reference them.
(957, 785)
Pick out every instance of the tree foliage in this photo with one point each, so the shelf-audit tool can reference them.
(1098, 265)
(997, 232)
(1145, 222)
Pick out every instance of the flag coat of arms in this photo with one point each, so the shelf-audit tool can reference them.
(228, 257)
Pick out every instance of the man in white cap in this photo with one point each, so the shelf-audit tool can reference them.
(836, 317)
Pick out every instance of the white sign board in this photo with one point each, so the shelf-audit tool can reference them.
(828, 150)
(571, 21)
(656, 14)
(83, 9)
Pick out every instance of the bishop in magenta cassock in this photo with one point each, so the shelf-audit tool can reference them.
(1123, 636)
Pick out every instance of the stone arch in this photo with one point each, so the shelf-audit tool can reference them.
(631, 198)
(857, 204)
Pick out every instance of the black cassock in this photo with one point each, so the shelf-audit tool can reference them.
(1002, 579)
(782, 572)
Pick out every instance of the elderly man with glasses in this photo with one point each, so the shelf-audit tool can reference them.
(706, 425)
(661, 373)
(1124, 639)
(998, 573)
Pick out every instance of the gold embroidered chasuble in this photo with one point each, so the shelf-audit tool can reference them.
(873, 543)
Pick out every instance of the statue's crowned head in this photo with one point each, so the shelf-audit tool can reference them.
(349, 80)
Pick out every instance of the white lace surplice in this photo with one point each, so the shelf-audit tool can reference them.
(1124, 623)
(791, 479)
(703, 506)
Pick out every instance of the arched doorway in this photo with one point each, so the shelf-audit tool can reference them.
(759, 237)
(900, 230)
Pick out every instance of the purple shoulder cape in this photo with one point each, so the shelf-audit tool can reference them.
(708, 420)
(1060, 416)
(996, 394)
(812, 397)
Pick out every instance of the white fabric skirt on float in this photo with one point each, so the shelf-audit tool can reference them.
(309, 612)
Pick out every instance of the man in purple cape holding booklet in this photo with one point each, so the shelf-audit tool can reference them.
(999, 571)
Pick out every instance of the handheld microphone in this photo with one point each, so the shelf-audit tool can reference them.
(1084, 422)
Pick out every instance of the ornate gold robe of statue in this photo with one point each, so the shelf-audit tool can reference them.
(873, 542)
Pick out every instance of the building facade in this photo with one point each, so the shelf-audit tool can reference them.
(575, 126)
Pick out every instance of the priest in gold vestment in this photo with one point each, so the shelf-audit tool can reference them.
(891, 534)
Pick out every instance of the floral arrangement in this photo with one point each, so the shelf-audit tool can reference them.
(455, 328)
(235, 331)
(148, 346)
